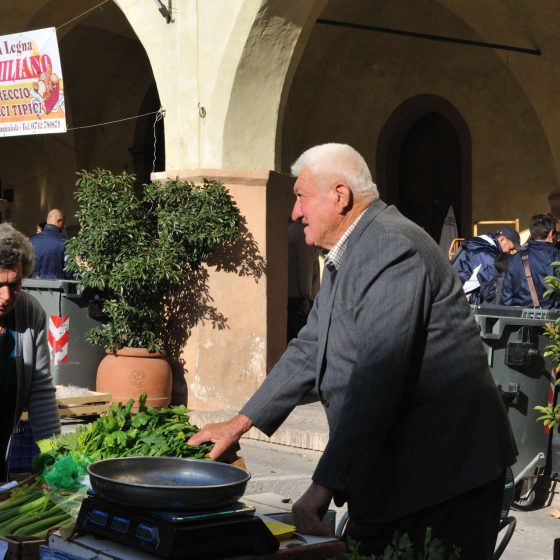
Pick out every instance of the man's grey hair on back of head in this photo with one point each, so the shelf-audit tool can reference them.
(14, 247)
(338, 162)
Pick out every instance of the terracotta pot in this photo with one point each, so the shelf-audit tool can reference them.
(129, 372)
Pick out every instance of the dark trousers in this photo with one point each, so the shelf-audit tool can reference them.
(469, 521)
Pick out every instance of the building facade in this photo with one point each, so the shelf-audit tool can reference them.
(452, 103)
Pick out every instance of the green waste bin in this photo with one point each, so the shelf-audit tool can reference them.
(73, 360)
(515, 344)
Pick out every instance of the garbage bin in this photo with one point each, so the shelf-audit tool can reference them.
(514, 341)
(70, 314)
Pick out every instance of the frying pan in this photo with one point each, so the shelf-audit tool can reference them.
(168, 483)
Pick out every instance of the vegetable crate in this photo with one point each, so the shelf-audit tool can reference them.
(91, 404)
(21, 548)
(22, 449)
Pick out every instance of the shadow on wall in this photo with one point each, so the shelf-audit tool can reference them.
(240, 257)
(196, 305)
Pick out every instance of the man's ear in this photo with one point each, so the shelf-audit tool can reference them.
(344, 198)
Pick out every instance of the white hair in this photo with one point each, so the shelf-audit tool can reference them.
(338, 161)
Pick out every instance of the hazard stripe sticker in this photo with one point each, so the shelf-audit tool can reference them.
(59, 330)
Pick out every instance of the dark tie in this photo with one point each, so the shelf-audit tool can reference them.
(332, 272)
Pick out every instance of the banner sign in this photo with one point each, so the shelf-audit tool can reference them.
(31, 86)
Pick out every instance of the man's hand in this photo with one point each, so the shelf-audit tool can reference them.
(309, 510)
(224, 435)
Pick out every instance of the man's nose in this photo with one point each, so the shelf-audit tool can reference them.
(5, 293)
(296, 211)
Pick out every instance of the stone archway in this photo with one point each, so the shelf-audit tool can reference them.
(393, 134)
(106, 74)
(263, 79)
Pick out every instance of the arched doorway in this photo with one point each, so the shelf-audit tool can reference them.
(108, 82)
(429, 178)
(424, 163)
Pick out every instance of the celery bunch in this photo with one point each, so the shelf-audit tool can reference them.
(29, 512)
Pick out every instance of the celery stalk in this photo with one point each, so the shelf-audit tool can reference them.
(28, 518)
(42, 525)
(15, 510)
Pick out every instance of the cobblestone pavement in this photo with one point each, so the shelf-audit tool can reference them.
(287, 471)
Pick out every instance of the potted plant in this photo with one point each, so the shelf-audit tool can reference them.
(143, 252)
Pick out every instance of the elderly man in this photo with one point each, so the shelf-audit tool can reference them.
(419, 436)
(49, 246)
(26, 380)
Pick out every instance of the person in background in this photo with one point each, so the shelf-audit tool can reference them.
(303, 278)
(418, 434)
(474, 263)
(49, 246)
(500, 263)
(539, 253)
(554, 202)
(40, 227)
(26, 380)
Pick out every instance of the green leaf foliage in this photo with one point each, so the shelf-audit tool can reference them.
(401, 548)
(550, 413)
(140, 251)
(123, 433)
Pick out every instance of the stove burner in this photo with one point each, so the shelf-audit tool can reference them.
(230, 531)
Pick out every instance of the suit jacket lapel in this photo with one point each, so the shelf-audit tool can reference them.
(328, 288)
(324, 319)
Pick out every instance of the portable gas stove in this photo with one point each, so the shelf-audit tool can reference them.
(228, 531)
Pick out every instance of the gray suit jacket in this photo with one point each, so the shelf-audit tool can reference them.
(395, 356)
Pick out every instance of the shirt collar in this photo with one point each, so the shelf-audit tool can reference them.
(334, 257)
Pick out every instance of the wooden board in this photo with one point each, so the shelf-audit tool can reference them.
(91, 397)
(319, 551)
(85, 410)
(22, 548)
(94, 403)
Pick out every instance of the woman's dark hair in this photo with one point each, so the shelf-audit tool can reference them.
(501, 261)
(541, 225)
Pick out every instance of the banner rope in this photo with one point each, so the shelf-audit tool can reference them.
(160, 111)
(159, 115)
(82, 14)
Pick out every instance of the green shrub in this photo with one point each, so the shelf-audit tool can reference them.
(142, 251)
(550, 413)
(401, 548)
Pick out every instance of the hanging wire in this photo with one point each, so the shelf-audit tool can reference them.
(118, 120)
(82, 14)
(159, 115)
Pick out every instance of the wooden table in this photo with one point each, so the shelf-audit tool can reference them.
(319, 551)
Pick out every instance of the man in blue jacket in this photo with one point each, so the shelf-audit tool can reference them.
(541, 253)
(474, 262)
(49, 246)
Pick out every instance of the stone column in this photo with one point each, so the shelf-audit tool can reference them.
(230, 351)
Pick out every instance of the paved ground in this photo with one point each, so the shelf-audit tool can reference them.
(286, 471)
